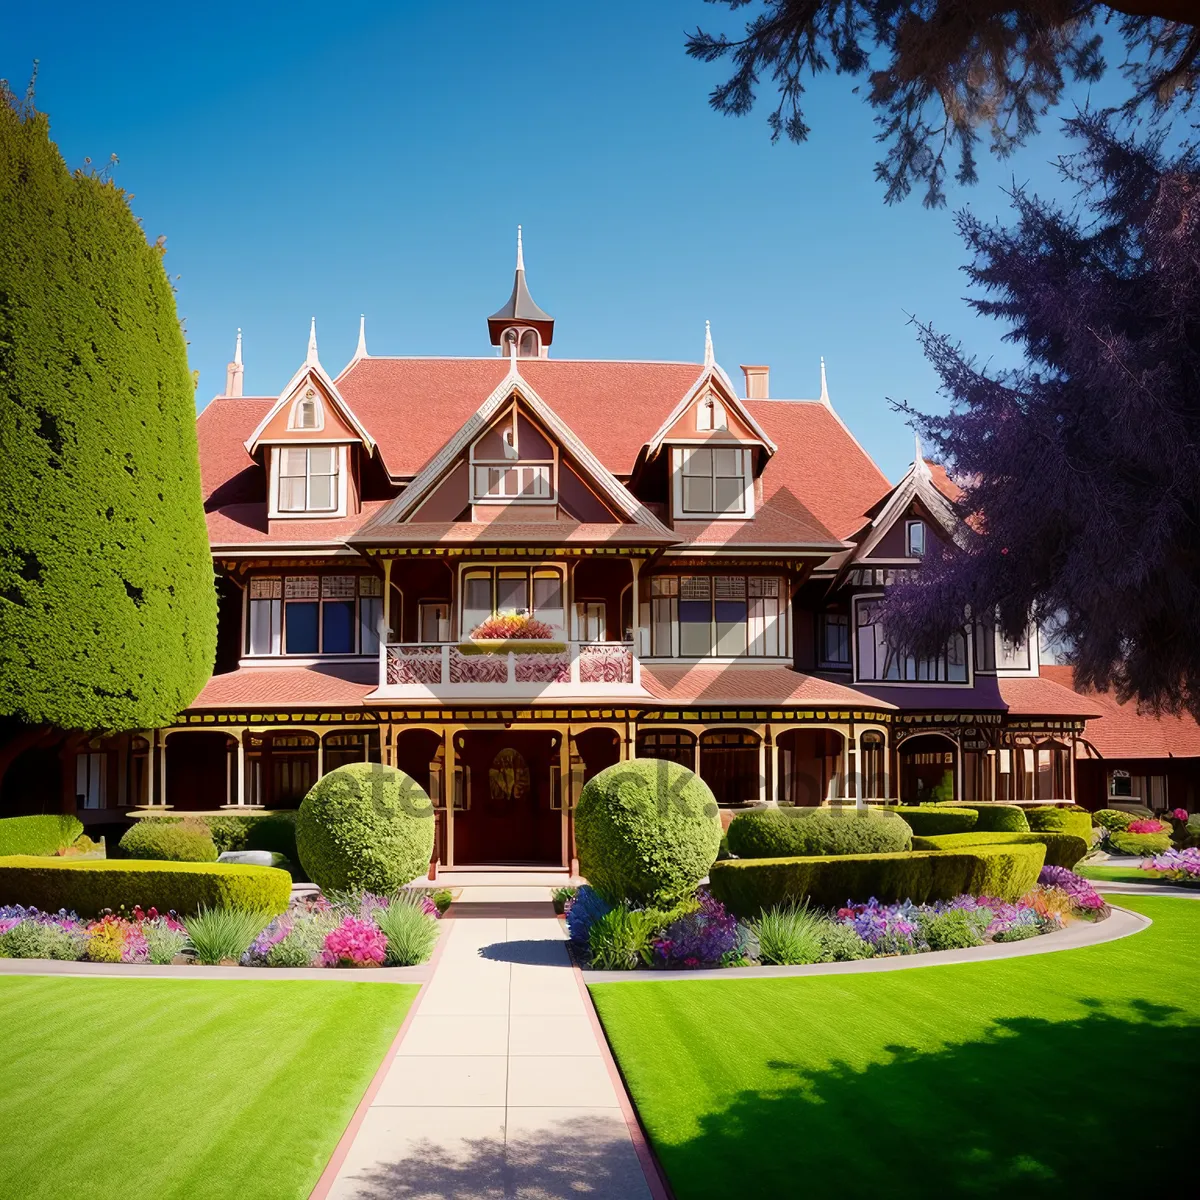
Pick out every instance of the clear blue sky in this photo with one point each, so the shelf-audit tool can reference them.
(308, 159)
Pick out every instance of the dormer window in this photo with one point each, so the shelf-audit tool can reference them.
(306, 413)
(714, 482)
(710, 415)
(308, 479)
(915, 539)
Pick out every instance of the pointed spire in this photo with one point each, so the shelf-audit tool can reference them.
(233, 372)
(360, 351)
(520, 251)
(709, 359)
(824, 386)
(521, 314)
(311, 358)
(920, 466)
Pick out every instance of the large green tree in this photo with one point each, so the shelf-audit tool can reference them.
(942, 74)
(107, 599)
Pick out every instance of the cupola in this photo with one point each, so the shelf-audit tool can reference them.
(520, 322)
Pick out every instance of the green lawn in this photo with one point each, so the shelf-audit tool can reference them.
(123, 1089)
(1066, 1073)
(1103, 873)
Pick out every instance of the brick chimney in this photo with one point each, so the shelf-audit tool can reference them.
(757, 382)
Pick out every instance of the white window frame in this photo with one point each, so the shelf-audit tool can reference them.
(590, 614)
(968, 654)
(914, 531)
(341, 474)
(542, 473)
(441, 615)
(368, 588)
(681, 455)
(711, 415)
(496, 569)
(308, 396)
(659, 600)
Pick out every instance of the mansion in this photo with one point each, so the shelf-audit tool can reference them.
(702, 563)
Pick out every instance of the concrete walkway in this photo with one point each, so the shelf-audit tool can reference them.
(500, 1087)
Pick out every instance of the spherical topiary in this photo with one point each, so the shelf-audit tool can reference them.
(365, 826)
(187, 841)
(786, 832)
(647, 831)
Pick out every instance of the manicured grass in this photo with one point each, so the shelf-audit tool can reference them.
(1063, 1073)
(143, 1089)
(1103, 873)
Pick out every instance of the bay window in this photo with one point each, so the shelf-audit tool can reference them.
(314, 614)
(881, 662)
(726, 616)
(308, 479)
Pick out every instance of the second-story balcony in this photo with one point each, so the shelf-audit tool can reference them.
(480, 670)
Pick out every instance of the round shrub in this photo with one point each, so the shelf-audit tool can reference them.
(933, 819)
(647, 831)
(365, 826)
(188, 841)
(1142, 844)
(1071, 819)
(787, 832)
(998, 818)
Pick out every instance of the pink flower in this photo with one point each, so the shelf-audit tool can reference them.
(1146, 827)
(355, 941)
(1180, 814)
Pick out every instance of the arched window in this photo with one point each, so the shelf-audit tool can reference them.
(710, 415)
(671, 745)
(307, 412)
(529, 344)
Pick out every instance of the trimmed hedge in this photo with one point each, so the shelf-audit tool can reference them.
(929, 820)
(365, 826)
(46, 834)
(647, 830)
(1074, 820)
(1143, 844)
(748, 886)
(996, 818)
(786, 832)
(188, 841)
(92, 886)
(274, 830)
(1111, 818)
(1062, 849)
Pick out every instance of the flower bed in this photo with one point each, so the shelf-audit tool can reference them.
(355, 930)
(701, 933)
(1178, 866)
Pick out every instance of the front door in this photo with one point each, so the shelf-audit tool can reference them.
(512, 816)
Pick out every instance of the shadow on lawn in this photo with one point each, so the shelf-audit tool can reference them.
(577, 1157)
(1100, 1106)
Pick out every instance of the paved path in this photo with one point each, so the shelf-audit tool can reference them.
(499, 1088)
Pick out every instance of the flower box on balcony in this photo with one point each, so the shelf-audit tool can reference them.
(511, 645)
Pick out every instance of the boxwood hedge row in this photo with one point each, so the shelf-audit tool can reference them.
(1062, 849)
(43, 834)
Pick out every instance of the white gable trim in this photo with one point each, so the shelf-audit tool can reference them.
(709, 377)
(432, 472)
(318, 373)
(916, 485)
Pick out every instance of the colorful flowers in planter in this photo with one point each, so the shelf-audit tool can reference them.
(512, 627)
(1182, 865)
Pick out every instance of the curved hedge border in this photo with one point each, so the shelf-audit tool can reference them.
(929, 820)
(1074, 819)
(185, 842)
(44, 834)
(996, 818)
(1062, 849)
(785, 832)
(90, 887)
(747, 886)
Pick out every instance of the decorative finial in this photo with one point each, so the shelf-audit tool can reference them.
(520, 252)
(920, 466)
(708, 346)
(237, 349)
(312, 360)
(361, 349)
(824, 385)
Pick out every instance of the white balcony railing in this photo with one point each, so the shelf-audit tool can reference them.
(466, 670)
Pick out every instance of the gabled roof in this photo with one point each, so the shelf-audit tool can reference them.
(512, 384)
(917, 484)
(311, 370)
(711, 377)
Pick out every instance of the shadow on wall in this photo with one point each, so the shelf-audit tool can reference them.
(578, 1157)
(1094, 1107)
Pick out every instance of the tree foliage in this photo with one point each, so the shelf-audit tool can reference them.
(939, 71)
(1081, 469)
(107, 602)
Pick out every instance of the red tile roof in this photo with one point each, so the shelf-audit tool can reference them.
(820, 467)
(247, 525)
(1121, 731)
(750, 685)
(221, 428)
(943, 482)
(280, 687)
(512, 533)
(1038, 695)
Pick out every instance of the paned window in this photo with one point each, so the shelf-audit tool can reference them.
(915, 539)
(714, 481)
(537, 591)
(726, 616)
(308, 479)
(314, 614)
(879, 661)
(834, 631)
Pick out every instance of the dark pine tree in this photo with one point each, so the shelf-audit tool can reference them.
(1081, 469)
(107, 600)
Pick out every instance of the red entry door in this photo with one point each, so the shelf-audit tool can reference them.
(512, 816)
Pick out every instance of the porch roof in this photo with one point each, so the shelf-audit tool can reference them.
(1023, 696)
(729, 684)
(343, 684)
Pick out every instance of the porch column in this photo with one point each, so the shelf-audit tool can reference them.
(241, 767)
(773, 766)
(635, 615)
(564, 792)
(451, 792)
(764, 794)
(320, 754)
(162, 769)
(387, 600)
